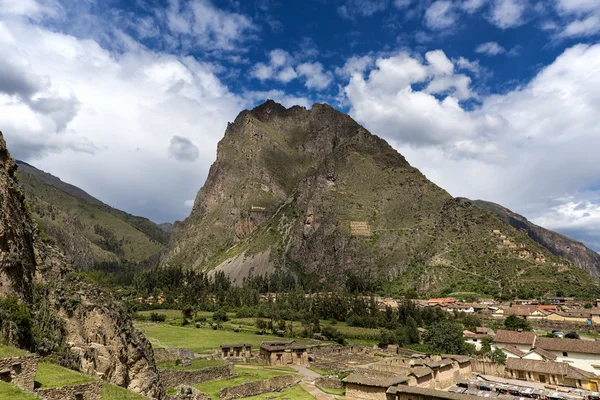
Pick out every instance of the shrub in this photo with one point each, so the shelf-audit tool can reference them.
(155, 317)
(220, 315)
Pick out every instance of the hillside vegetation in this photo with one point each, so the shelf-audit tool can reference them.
(88, 231)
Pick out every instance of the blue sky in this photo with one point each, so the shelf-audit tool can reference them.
(491, 99)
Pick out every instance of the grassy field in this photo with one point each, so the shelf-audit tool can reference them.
(112, 392)
(195, 365)
(10, 351)
(52, 375)
(199, 340)
(295, 392)
(212, 388)
(13, 392)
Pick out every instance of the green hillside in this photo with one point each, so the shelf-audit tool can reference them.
(88, 232)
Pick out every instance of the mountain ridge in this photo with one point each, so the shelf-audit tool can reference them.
(87, 230)
(314, 193)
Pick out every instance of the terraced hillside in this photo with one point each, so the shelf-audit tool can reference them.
(87, 230)
(314, 193)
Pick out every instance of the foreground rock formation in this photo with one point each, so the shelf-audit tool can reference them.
(314, 193)
(99, 335)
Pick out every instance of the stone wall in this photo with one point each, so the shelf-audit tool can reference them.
(274, 384)
(185, 392)
(172, 378)
(172, 354)
(330, 382)
(19, 370)
(360, 392)
(86, 391)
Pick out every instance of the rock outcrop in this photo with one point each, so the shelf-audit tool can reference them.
(314, 193)
(99, 333)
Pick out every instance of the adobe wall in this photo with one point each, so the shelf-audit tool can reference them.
(172, 379)
(359, 392)
(89, 391)
(330, 382)
(274, 384)
(487, 367)
(21, 370)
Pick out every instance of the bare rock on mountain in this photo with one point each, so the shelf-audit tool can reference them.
(329, 201)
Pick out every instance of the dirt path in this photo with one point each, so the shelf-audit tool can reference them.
(316, 393)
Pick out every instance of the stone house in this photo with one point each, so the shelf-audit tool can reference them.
(550, 372)
(236, 350)
(371, 386)
(283, 353)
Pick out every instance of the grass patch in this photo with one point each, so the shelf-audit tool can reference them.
(335, 392)
(244, 375)
(202, 340)
(321, 371)
(112, 392)
(52, 375)
(10, 351)
(13, 392)
(295, 392)
(195, 365)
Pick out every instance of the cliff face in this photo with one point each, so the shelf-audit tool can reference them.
(101, 336)
(313, 192)
(582, 257)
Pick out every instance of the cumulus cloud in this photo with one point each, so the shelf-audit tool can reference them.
(316, 77)
(582, 27)
(490, 49)
(507, 13)
(182, 149)
(471, 6)
(524, 149)
(441, 14)
(353, 65)
(30, 8)
(129, 107)
(279, 68)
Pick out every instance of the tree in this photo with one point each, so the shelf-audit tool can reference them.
(220, 315)
(261, 324)
(572, 335)
(498, 356)
(445, 337)
(513, 323)
(486, 345)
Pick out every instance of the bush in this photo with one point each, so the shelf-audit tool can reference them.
(220, 315)
(498, 356)
(16, 325)
(513, 323)
(155, 317)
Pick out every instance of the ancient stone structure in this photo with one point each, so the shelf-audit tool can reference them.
(371, 385)
(171, 378)
(185, 392)
(274, 384)
(236, 350)
(330, 382)
(283, 353)
(19, 370)
(172, 354)
(86, 391)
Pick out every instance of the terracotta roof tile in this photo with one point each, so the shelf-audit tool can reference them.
(574, 345)
(513, 337)
(544, 367)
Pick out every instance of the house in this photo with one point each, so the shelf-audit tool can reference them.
(283, 353)
(547, 308)
(485, 330)
(440, 301)
(523, 341)
(550, 372)
(576, 317)
(583, 354)
(236, 350)
(525, 302)
(475, 339)
(487, 302)
(468, 308)
(366, 385)
(539, 354)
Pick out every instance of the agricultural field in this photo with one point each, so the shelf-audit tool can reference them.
(52, 375)
(244, 375)
(203, 340)
(112, 392)
(13, 392)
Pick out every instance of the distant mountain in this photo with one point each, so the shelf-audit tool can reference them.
(166, 226)
(87, 230)
(558, 244)
(314, 193)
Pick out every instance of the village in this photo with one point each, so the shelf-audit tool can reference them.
(559, 358)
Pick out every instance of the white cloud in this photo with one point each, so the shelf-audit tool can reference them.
(471, 6)
(287, 74)
(280, 67)
(30, 8)
(441, 15)
(198, 23)
(364, 8)
(182, 149)
(490, 49)
(577, 6)
(524, 149)
(507, 13)
(402, 3)
(354, 65)
(581, 28)
(316, 77)
(129, 107)
(472, 66)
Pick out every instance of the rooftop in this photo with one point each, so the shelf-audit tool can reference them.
(382, 380)
(573, 345)
(513, 337)
(544, 367)
(513, 350)
(439, 394)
